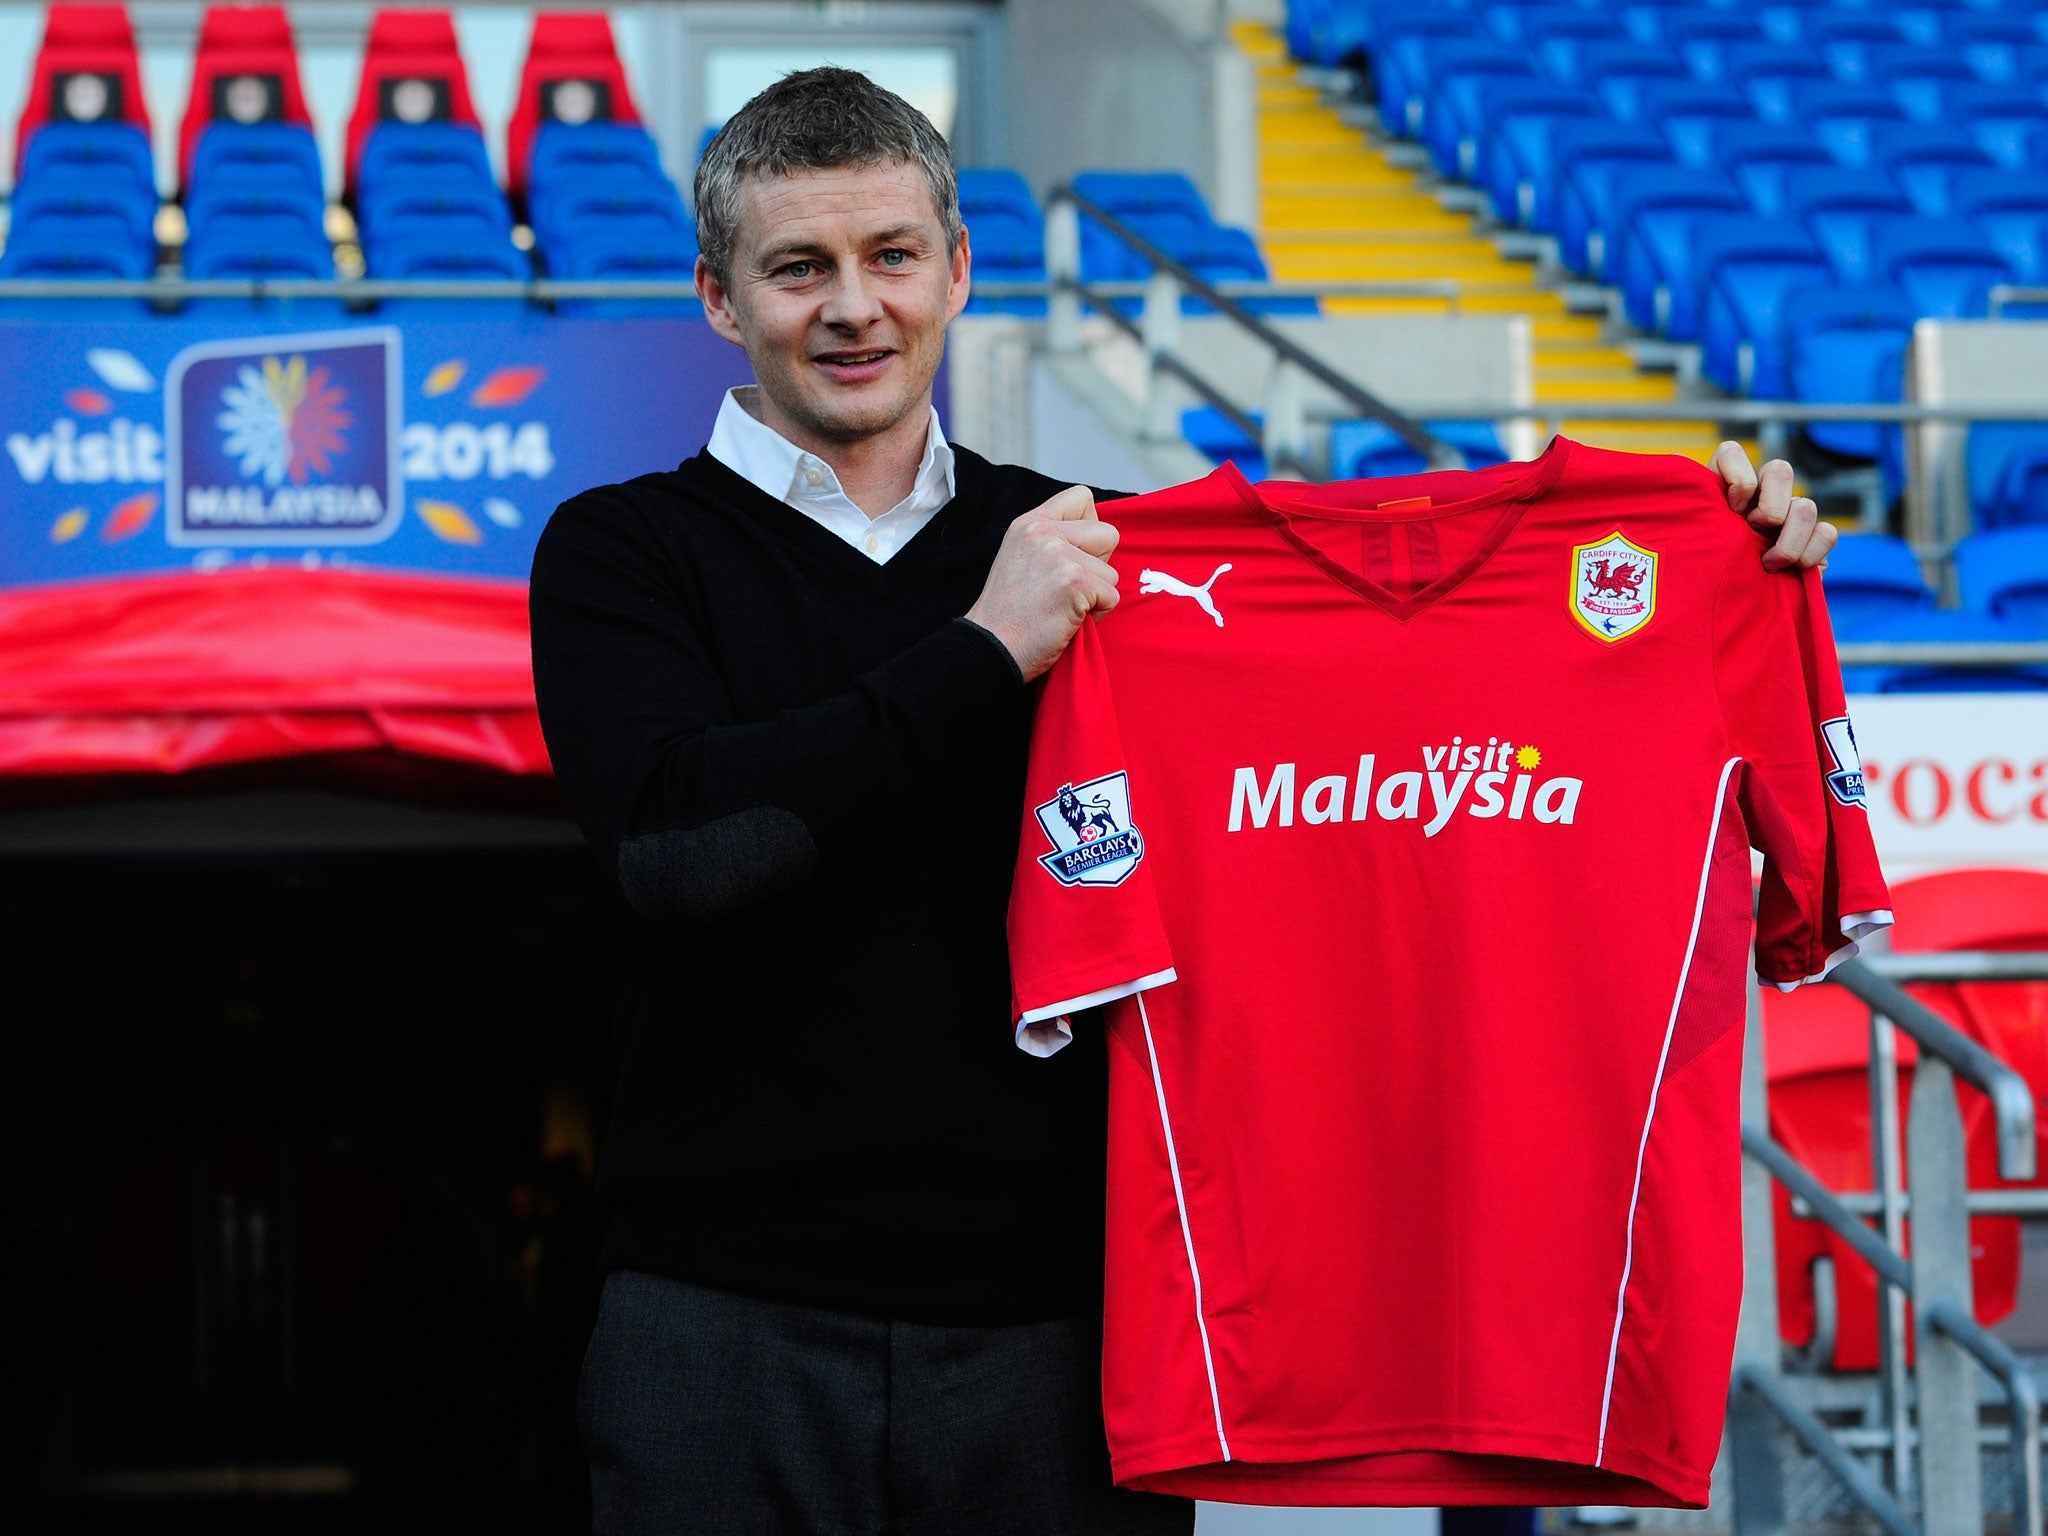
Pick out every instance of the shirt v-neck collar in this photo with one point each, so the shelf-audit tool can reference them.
(1512, 494)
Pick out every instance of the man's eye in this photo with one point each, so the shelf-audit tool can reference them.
(797, 269)
(895, 258)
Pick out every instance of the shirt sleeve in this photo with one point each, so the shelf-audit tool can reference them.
(1801, 783)
(1084, 917)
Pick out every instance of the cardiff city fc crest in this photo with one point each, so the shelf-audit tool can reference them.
(1089, 827)
(1614, 587)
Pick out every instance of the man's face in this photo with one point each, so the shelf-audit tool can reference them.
(841, 289)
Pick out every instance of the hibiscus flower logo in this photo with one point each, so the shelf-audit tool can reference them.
(283, 421)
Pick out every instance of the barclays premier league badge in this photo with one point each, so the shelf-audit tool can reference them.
(1614, 587)
(1089, 827)
(285, 440)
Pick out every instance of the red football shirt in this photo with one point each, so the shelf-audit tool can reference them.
(1405, 825)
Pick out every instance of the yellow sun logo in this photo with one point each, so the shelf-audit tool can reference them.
(1527, 757)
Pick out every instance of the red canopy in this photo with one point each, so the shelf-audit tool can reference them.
(171, 674)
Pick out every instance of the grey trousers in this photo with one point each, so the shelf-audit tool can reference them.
(709, 1414)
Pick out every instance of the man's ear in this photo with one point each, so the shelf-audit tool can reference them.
(718, 308)
(961, 282)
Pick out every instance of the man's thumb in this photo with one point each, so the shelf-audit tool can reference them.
(1075, 504)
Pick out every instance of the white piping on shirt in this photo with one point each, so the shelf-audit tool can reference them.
(1187, 1233)
(1650, 1112)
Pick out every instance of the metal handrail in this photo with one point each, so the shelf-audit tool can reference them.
(172, 289)
(1942, 653)
(2011, 1100)
(1806, 1186)
(1813, 1434)
(1407, 428)
(1959, 965)
(2003, 294)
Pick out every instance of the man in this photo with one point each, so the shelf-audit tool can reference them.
(857, 1255)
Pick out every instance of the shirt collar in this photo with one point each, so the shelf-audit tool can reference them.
(763, 457)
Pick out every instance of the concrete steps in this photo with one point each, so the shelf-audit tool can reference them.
(1336, 208)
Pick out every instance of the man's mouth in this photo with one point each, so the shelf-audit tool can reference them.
(855, 364)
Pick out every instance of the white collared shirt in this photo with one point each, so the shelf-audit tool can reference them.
(762, 456)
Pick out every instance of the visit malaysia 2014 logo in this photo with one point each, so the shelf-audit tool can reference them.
(285, 440)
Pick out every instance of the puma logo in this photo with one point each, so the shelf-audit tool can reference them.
(1159, 581)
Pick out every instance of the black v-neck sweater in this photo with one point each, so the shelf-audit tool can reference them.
(803, 773)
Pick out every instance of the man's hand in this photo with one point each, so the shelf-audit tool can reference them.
(1765, 497)
(1051, 572)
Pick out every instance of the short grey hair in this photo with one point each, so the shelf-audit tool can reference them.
(817, 120)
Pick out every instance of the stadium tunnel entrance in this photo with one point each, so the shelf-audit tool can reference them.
(298, 1205)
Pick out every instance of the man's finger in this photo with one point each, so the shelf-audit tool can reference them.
(1075, 504)
(1096, 538)
(1773, 503)
(1802, 518)
(1738, 475)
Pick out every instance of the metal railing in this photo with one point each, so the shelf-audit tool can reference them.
(1284, 432)
(1931, 1431)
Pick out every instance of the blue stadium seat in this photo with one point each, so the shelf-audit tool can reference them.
(1591, 158)
(1518, 21)
(452, 150)
(617, 181)
(666, 254)
(991, 189)
(1519, 119)
(1127, 192)
(1617, 72)
(1847, 39)
(1841, 116)
(256, 245)
(1591, 45)
(1915, 76)
(1655, 211)
(1212, 433)
(1704, 39)
(455, 257)
(1945, 269)
(1399, 59)
(1760, 156)
(63, 255)
(1766, 72)
(2003, 574)
(1685, 111)
(2008, 473)
(276, 152)
(1991, 44)
(1924, 159)
(2005, 120)
(115, 211)
(1942, 624)
(566, 149)
(414, 204)
(106, 154)
(1559, 34)
(2011, 208)
(1445, 113)
(232, 194)
(1371, 450)
(1847, 345)
(1747, 267)
(1785, 21)
(1838, 207)
(1872, 577)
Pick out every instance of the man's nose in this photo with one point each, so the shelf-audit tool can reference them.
(855, 301)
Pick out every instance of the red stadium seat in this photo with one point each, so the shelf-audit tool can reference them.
(412, 72)
(1819, 1101)
(246, 70)
(86, 71)
(572, 74)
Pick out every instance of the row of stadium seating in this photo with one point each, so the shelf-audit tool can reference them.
(1790, 187)
(587, 175)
